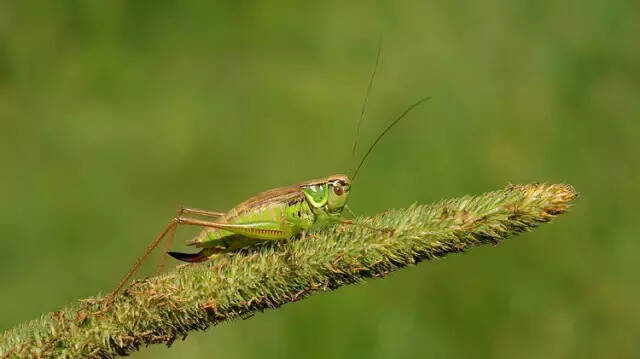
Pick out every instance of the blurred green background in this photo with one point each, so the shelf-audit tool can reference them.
(115, 113)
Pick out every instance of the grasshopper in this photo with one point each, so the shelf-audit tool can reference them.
(273, 215)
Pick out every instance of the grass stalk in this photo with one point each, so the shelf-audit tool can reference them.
(165, 307)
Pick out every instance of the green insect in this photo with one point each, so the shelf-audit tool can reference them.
(277, 214)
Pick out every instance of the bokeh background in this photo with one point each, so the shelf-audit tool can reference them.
(115, 113)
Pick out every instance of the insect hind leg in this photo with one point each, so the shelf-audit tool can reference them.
(169, 229)
(179, 214)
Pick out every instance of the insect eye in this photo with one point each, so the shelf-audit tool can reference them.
(337, 189)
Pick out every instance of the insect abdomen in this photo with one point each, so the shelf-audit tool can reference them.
(268, 212)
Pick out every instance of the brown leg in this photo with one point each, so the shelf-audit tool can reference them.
(183, 210)
(167, 246)
(170, 229)
(200, 212)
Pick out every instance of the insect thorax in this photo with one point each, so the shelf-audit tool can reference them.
(299, 214)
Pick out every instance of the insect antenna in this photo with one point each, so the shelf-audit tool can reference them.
(402, 115)
(364, 103)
